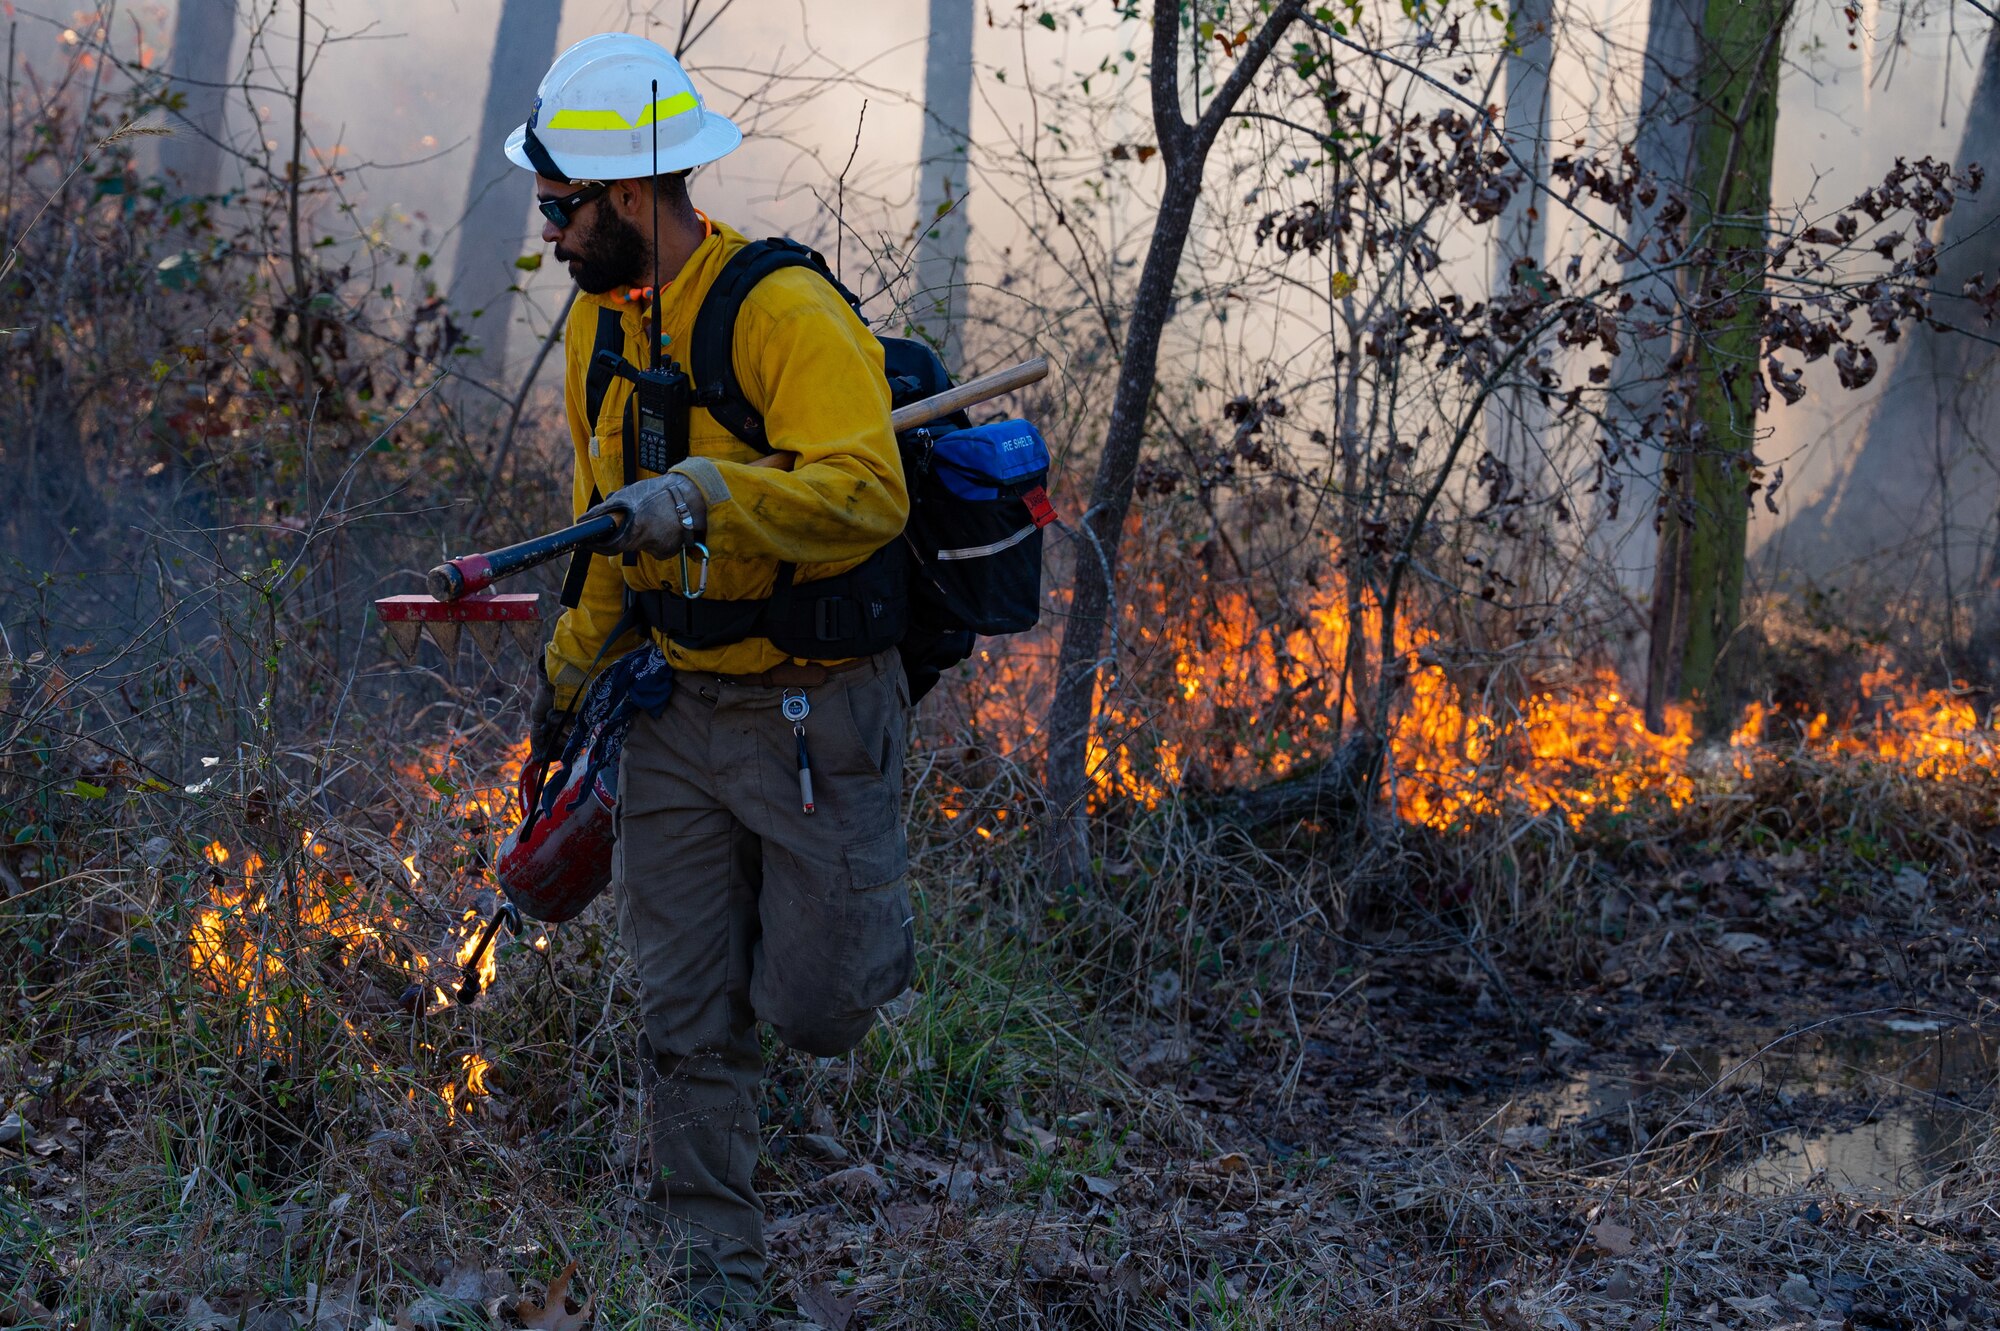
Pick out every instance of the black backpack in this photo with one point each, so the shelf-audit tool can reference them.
(970, 560)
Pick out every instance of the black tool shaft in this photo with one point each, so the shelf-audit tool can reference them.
(475, 573)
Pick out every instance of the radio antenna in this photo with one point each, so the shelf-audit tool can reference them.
(653, 193)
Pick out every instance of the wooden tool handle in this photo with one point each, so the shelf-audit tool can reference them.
(970, 393)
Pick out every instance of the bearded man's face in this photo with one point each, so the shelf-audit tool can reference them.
(609, 253)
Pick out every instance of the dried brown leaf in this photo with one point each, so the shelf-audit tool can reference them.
(21, 1310)
(830, 1310)
(553, 1314)
(1613, 1238)
(336, 1309)
(1021, 1131)
(201, 1316)
(858, 1183)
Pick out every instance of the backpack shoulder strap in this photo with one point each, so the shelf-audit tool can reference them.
(597, 381)
(711, 359)
(579, 568)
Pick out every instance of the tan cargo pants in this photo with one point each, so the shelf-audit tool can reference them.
(738, 907)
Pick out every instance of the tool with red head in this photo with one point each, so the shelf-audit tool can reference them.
(466, 575)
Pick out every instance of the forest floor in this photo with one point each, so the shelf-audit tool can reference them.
(1769, 1104)
(1760, 1096)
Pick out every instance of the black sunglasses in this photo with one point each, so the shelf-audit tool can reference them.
(560, 211)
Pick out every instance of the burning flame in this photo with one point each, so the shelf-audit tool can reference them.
(471, 1084)
(1229, 697)
(273, 934)
(489, 964)
(231, 958)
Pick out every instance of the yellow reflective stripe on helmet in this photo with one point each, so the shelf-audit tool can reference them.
(588, 120)
(664, 109)
(669, 107)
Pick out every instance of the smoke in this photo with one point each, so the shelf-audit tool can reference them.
(394, 92)
(829, 95)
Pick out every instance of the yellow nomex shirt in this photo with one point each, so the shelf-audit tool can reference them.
(809, 365)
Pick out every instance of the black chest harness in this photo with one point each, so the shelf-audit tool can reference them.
(856, 613)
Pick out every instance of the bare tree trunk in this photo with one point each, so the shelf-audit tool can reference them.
(198, 67)
(1699, 589)
(1920, 495)
(1184, 151)
(1959, 377)
(1665, 146)
(1515, 419)
(495, 227)
(939, 305)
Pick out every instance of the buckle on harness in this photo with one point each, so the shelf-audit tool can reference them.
(826, 618)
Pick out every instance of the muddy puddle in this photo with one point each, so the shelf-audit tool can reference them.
(1869, 1108)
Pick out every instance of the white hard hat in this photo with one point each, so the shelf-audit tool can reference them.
(600, 105)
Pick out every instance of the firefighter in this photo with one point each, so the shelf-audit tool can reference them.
(743, 897)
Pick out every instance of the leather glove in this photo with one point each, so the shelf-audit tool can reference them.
(656, 516)
(547, 723)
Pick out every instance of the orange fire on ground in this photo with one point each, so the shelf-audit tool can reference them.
(272, 934)
(1226, 697)
(460, 1094)
(1932, 734)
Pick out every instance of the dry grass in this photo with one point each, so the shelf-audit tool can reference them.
(1030, 1139)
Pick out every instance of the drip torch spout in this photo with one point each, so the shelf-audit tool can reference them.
(468, 988)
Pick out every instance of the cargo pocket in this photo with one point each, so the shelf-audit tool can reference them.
(881, 951)
(877, 861)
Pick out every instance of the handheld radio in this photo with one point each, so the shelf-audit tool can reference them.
(661, 393)
(661, 397)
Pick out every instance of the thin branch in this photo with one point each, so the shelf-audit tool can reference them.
(1247, 68)
(1168, 122)
(506, 445)
(1485, 118)
(687, 39)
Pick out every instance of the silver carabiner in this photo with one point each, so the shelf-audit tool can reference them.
(700, 588)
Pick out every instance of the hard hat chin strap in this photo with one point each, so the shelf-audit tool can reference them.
(538, 155)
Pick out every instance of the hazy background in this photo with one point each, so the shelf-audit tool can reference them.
(826, 88)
